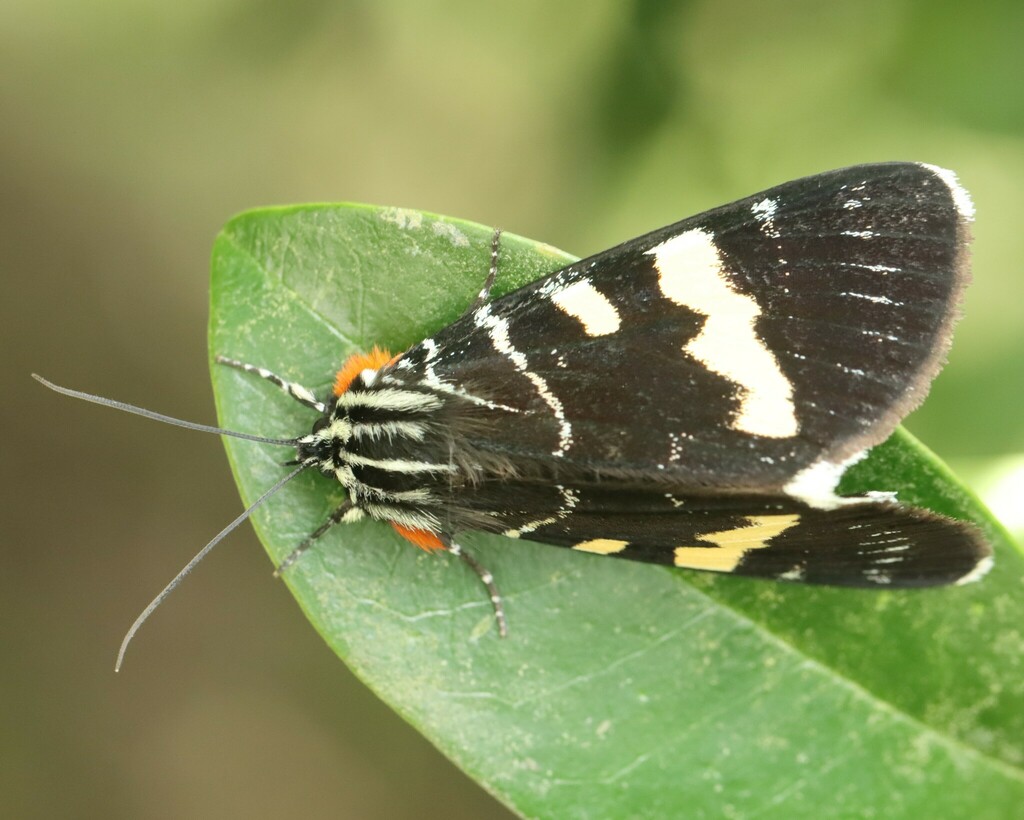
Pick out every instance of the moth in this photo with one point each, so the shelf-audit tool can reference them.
(691, 397)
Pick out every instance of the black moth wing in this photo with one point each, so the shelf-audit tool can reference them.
(691, 397)
(790, 329)
(873, 544)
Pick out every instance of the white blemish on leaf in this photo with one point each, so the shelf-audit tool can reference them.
(451, 233)
(403, 218)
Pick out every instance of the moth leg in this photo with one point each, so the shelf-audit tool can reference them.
(488, 582)
(302, 395)
(492, 274)
(294, 555)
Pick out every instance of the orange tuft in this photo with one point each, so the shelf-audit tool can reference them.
(357, 363)
(424, 539)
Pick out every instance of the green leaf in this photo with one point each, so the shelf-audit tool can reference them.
(622, 689)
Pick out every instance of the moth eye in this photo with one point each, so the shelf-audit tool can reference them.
(320, 424)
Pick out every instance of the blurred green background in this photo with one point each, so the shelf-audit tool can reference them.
(131, 131)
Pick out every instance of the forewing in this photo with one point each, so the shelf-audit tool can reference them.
(738, 349)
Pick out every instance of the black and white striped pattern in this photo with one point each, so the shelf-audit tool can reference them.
(690, 397)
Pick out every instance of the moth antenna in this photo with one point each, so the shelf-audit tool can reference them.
(492, 274)
(150, 414)
(301, 394)
(199, 556)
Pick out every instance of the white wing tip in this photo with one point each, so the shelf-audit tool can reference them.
(961, 198)
(979, 571)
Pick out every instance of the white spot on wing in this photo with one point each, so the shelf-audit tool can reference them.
(432, 349)
(816, 485)
(764, 213)
(432, 380)
(583, 301)
(497, 328)
(875, 268)
(882, 300)
(569, 499)
(691, 274)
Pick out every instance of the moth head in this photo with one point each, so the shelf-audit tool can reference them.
(322, 447)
